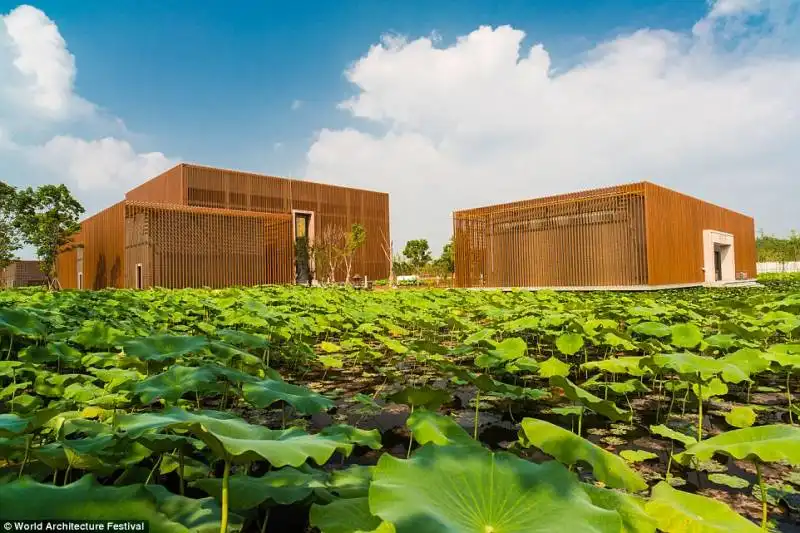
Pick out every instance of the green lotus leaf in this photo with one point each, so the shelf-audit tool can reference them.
(686, 335)
(329, 347)
(234, 439)
(620, 343)
(637, 456)
(13, 389)
(84, 500)
(523, 364)
(554, 367)
(241, 338)
(569, 448)
(284, 487)
(686, 364)
(196, 515)
(97, 334)
(776, 442)
(618, 365)
(483, 335)
(729, 481)
(670, 433)
(572, 410)
(629, 507)
(590, 401)
(392, 345)
(21, 323)
(361, 437)
(627, 387)
(192, 468)
(164, 347)
(722, 341)
(427, 426)
(509, 349)
(652, 329)
(172, 384)
(352, 482)
(749, 360)
(741, 417)
(427, 397)
(329, 361)
(713, 388)
(680, 512)
(266, 392)
(25, 404)
(350, 515)
(785, 355)
(457, 489)
(569, 343)
(231, 355)
(11, 425)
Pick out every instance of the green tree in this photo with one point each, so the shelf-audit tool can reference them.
(353, 240)
(446, 261)
(9, 236)
(47, 217)
(776, 249)
(418, 253)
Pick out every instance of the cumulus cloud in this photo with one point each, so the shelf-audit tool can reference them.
(712, 111)
(49, 133)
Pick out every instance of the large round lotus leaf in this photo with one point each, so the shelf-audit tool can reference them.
(664, 431)
(630, 508)
(590, 401)
(685, 364)
(776, 442)
(553, 367)
(509, 349)
(86, 500)
(741, 417)
(350, 515)
(569, 448)
(18, 322)
(713, 388)
(172, 384)
(457, 489)
(97, 334)
(197, 515)
(427, 426)
(11, 424)
(266, 392)
(652, 329)
(284, 487)
(749, 360)
(569, 343)
(164, 347)
(676, 511)
(686, 335)
(241, 338)
(618, 365)
(427, 397)
(362, 437)
(234, 439)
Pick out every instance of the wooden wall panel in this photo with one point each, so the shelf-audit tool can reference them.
(568, 241)
(331, 205)
(103, 237)
(675, 224)
(168, 188)
(181, 246)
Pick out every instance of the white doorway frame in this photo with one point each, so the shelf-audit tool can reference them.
(310, 230)
(714, 240)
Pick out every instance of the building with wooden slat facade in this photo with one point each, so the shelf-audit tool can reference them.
(22, 273)
(637, 235)
(196, 226)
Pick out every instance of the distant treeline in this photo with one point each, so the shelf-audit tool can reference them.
(771, 248)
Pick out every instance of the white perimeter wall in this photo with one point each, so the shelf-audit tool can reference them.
(774, 266)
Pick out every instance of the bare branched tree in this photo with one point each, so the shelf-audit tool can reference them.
(388, 251)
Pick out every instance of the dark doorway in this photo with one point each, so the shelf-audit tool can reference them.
(717, 265)
(302, 223)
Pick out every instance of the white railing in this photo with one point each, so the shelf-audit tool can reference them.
(773, 267)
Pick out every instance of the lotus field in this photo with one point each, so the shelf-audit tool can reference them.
(422, 411)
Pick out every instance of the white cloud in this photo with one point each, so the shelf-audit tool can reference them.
(712, 112)
(49, 133)
(99, 164)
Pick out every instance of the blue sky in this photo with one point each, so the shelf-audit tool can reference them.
(259, 87)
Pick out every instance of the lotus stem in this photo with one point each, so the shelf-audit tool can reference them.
(669, 461)
(410, 435)
(699, 411)
(789, 394)
(155, 465)
(477, 409)
(749, 385)
(685, 397)
(180, 469)
(66, 475)
(28, 440)
(10, 346)
(580, 421)
(266, 519)
(671, 403)
(226, 474)
(763, 496)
